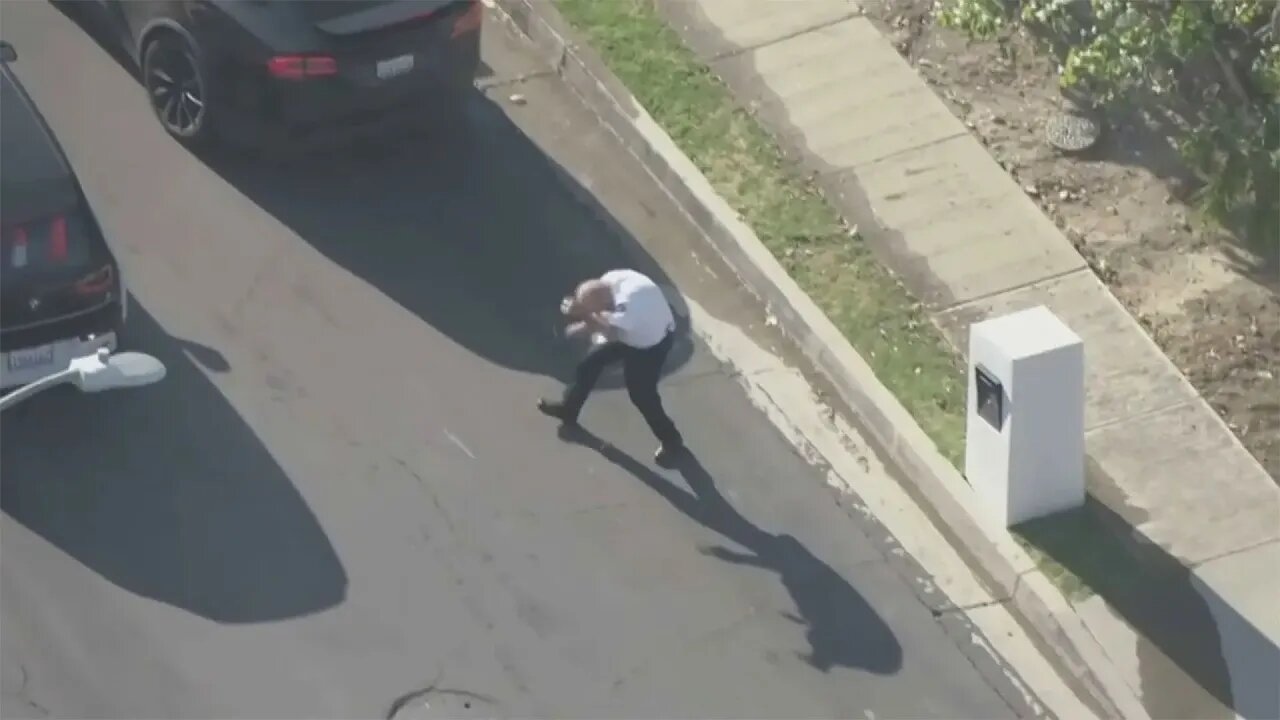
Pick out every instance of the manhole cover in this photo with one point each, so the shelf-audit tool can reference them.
(1071, 132)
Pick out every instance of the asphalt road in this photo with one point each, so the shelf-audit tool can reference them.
(341, 494)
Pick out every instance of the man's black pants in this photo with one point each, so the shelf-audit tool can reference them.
(642, 368)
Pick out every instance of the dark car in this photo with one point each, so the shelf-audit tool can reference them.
(61, 293)
(263, 70)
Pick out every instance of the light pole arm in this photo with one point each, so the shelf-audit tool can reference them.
(36, 388)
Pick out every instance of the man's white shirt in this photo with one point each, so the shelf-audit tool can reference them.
(641, 315)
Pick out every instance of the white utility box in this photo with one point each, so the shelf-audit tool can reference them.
(1024, 444)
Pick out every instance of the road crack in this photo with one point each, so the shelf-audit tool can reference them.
(433, 688)
(431, 495)
(24, 694)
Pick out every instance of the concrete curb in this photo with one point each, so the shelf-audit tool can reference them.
(931, 479)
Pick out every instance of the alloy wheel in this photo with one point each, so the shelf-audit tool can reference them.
(177, 92)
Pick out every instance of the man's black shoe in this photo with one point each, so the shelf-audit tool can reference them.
(551, 408)
(668, 456)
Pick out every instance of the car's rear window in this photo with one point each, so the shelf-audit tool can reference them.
(345, 12)
(328, 9)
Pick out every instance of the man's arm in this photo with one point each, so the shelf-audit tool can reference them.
(573, 308)
(602, 323)
(581, 307)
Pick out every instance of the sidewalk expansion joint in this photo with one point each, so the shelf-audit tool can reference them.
(783, 38)
(1139, 416)
(884, 158)
(1084, 267)
(1237, 551)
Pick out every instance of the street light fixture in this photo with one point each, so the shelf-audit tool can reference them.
(95, 373)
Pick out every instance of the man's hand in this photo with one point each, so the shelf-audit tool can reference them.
(592, 324)
(569, 307)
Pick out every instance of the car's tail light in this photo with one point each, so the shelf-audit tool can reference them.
(42, 241)
(97, 282)
(20, 241)
(58, 239)
(300, 67)
(470, 20)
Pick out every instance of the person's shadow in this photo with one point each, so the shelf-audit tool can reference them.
(842, 629)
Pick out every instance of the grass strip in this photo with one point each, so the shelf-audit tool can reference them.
(1078, 550)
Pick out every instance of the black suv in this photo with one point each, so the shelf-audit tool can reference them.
(61, 294)
(295, 70)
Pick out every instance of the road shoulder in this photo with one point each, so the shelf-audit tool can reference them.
(1100, 549)
(819, 425)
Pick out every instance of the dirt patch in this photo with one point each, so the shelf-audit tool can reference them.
(1211, 303)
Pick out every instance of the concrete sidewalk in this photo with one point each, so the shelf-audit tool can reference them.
(965, 238)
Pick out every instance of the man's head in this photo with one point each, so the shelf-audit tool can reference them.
(594, 296)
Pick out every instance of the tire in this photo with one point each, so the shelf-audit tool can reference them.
(178, 89)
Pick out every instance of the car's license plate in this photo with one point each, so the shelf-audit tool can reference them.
(29, 359)
(393, 67)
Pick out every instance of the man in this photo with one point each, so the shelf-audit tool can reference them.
(633, 323)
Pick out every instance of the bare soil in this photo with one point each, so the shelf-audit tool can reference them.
(1211, 303)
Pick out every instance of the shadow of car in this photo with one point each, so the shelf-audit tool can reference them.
(479, 239)
(473, 229)
(166, 492)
